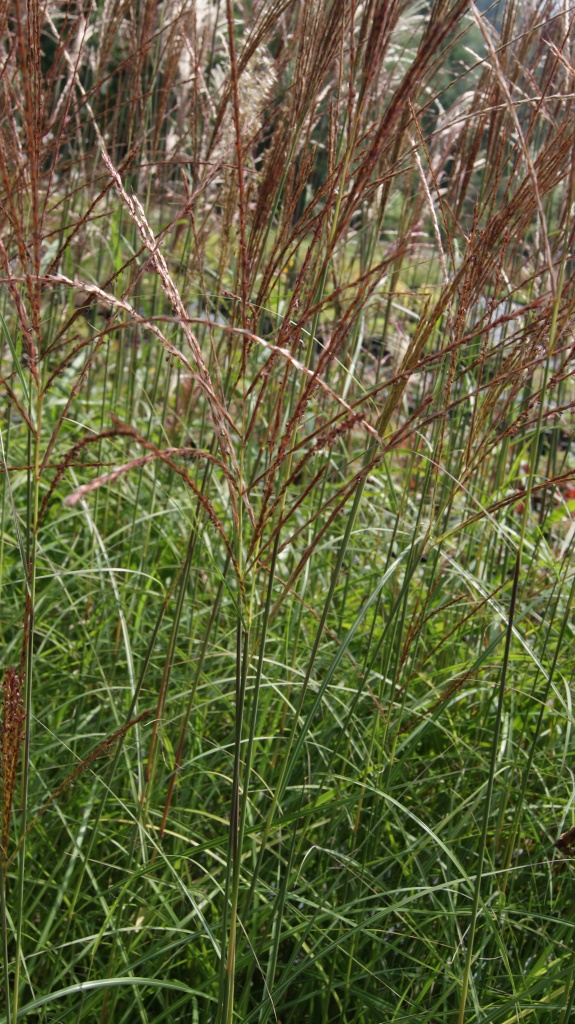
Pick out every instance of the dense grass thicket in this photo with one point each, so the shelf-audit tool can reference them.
(287, 506)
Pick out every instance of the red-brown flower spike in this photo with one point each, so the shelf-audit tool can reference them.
(13, 717)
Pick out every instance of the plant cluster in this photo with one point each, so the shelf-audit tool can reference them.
(286, 501)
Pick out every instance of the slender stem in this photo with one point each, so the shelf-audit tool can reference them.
(5, 943)
(488, 796)
(28, 659)
(295, 741)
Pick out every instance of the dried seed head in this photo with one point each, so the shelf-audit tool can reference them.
(13, 717)
(254, 87)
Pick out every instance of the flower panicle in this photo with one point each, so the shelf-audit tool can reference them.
(12, 734)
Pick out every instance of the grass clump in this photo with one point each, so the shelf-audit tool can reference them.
(287, 502)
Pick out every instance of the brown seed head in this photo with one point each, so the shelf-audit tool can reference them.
(13, 717)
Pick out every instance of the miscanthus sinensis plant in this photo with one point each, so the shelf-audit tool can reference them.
(286, 501)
